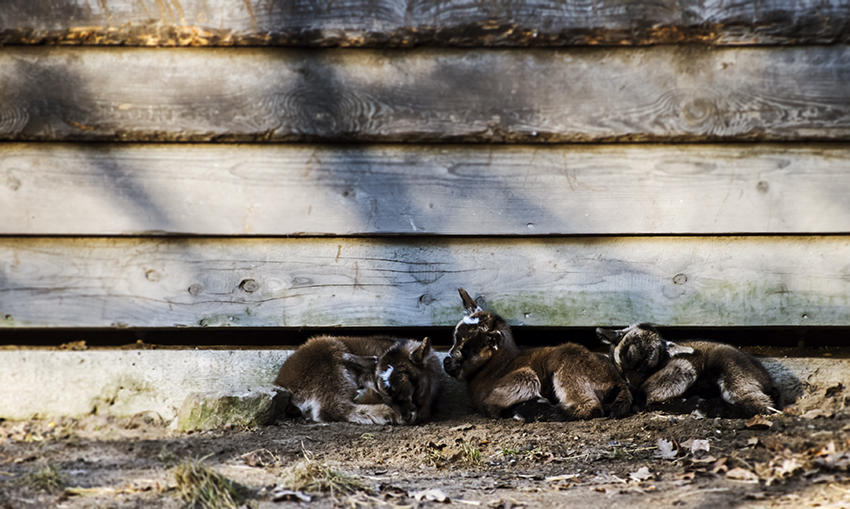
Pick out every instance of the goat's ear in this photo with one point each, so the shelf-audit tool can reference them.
(673, 349)
(468, 303)
(609, 336)
(646, 326)
(360, 364)
(420, 352)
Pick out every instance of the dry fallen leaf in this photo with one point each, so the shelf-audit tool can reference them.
(838, 461)
(758, 422)
(699, 445)
(789, 467)
(752, 441)
(833, 391)
(823, 478)
(284, 494)
(702, 461)
(665, 450)
(642, 474)
(565, 477)
(742, 475)
(719, 466)
(687, 476)
(430, 495)
(817, 412)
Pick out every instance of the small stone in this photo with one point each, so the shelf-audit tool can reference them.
(205, 411)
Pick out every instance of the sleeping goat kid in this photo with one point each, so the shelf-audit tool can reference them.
(558, 383)
(659, 370)
(377, 380)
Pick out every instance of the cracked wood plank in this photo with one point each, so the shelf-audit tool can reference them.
(386, 23)
(588, 281)
(480, 190)
(664, 93)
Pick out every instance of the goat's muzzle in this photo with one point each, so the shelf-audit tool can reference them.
(451, 366)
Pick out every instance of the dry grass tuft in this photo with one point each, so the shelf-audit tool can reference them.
(311, 475)
(48, 478)
(471, 455)
(199, 485)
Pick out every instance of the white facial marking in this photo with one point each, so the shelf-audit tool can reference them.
(727, 395)
(310, 409)
(469, 320)
(385, 376)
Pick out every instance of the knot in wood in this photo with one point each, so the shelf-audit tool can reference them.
(699, 111)
(249, 285)
(13, 183)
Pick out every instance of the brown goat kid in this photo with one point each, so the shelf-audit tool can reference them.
(659, 370)
(559, 383)
(365, 380)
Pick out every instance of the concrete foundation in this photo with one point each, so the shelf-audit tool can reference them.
(48, 383)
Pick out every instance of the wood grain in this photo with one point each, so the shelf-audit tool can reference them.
(480, 190)
(176, 282)
(436, 95)
(419, 22)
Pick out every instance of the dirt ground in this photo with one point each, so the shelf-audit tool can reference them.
(798, 459)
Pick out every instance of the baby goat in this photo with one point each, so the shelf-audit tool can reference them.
(377, 380)
(557, 383)
(659, 370)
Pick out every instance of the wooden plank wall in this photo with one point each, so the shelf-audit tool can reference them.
(193, 163)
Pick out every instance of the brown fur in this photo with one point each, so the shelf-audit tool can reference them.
(659, 370)
(334, 378)
(409, 375)
(563, 382)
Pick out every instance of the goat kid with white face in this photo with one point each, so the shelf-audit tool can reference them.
(408, 375)
(377, 380)
(659, 371)
(560, 383)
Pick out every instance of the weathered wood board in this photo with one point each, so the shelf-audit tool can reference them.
(116, 189)
(400, 23)
(662, 93)
(181, 282)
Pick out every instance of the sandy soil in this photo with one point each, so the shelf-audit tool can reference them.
(798, 459)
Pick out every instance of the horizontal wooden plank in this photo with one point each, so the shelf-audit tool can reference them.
(128, 189)
(662, 93)
(174, 282)
(401, 23)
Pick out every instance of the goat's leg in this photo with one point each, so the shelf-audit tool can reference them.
(517, 395)
(671, 382)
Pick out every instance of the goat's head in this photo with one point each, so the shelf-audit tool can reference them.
(639, 347)
(477, 337)
(404, 377)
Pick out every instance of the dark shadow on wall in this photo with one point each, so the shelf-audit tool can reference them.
(46, 93)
